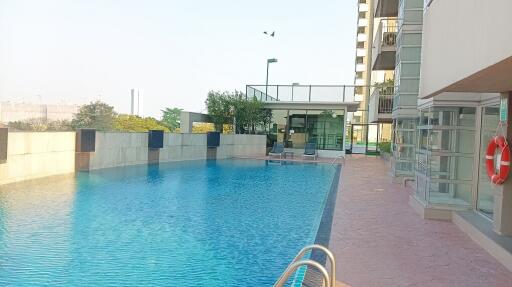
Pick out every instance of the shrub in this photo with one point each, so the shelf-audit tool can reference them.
(385, 147)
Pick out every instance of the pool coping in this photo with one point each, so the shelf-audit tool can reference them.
(323, 234)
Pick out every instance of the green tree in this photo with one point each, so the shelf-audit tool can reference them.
(171, 118)
(219, 108)
(245, 114)
(96, 115)
(131, 123)
(248, 114)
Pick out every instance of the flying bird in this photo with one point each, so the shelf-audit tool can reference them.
(271, 35)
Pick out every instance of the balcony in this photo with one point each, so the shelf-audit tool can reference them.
(384, 45)
(381, 104)
(386, 8)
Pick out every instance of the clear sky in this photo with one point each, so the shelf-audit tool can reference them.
(174, 51)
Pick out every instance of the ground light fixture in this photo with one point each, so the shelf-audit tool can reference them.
(273, 60)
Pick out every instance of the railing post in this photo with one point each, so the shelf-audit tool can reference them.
(344, 92)
(310, 93)
(277, 96)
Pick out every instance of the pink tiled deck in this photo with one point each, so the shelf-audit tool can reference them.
(378, 240)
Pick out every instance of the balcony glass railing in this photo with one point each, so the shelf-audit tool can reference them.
(305, 93)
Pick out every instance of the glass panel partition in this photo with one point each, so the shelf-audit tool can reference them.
(404, 147)
(445, 147)
(485, 198)
(295, 128)
(297, 131)
(326, 128)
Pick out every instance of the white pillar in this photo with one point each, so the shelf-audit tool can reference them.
(503, 196)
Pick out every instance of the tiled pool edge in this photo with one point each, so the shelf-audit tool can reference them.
(324, 230)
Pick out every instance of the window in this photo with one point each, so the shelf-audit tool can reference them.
(359, 90)
(359, 75)
(362, 1)
(362, 15)
(359, 60)
(361, 30)
(360, 45)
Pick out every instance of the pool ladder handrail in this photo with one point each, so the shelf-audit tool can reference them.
(330, 281)
(338, 157)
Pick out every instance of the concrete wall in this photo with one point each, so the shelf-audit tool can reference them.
(241, 145)
(33, 155)
(183, 147)
(193, 146)
(119, 149)
(39, 154)
(10, 112)
(461, 38)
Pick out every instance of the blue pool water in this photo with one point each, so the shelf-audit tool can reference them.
(196, 223)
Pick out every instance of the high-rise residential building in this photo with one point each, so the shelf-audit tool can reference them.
(363, 64)
(407, 77)
(466, 80)
(374, 72)
(388, 53)
(452, 95)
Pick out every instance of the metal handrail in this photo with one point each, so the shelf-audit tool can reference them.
(336, 158)
(301, 254)
(294, 266)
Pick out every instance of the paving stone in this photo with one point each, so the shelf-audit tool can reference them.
(378, 240)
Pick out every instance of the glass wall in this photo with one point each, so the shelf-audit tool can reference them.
(444, 155)
(485, 199)
(404, 140)
(295, 128)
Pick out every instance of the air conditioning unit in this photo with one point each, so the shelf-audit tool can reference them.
(389, 39)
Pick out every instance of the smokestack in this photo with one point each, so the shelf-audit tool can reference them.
(133, 101)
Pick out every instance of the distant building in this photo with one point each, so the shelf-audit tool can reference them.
(10, 112)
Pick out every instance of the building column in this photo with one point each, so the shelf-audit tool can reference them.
(185, 123)
(503, 196)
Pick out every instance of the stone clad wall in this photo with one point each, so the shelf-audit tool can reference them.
(193, 146)
(119, 149)
(241, 145)
(33, 155)
(183, 147)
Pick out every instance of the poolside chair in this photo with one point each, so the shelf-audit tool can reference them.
(277, 150)
(310, 151)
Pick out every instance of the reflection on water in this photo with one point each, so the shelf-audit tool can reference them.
(35, 229)
(196, 223)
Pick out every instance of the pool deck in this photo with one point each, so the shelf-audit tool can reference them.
(378, 240)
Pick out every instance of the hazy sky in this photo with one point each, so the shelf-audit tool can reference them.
(173, 51)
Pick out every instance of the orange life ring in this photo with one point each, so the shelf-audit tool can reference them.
(502, 175)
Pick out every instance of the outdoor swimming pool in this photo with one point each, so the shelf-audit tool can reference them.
(195, 223)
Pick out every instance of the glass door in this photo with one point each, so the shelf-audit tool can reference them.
(373, 139)
(358, 139)
(364, 139)
(485, 198)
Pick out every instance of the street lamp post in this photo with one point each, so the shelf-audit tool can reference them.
(273, 60)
